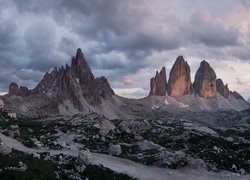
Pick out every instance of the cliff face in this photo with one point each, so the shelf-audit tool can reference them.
(158, 84)
(221, 88)
(179, 79)
(75, 83)
(205, 81)
(16, 91)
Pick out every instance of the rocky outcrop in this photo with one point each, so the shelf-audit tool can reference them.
(236, 95)
(104, 88)
(16, 91)
(205, 81)
(221, 88)
(179, 79)
(158, 84)
(73, 84)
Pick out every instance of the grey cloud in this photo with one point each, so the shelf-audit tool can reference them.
(203, 29)
(56, 28)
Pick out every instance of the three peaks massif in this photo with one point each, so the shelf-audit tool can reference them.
(74, 89)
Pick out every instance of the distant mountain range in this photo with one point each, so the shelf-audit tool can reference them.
(74, 89)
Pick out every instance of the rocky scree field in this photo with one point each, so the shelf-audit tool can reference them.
(159, 139)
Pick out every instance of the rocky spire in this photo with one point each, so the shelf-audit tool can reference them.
(74, 83)
(205, 81)
(13, 89)
(221, 88)
(158, 84)
(179, 79)
(80, 67)
(104, 87)
(16, 91)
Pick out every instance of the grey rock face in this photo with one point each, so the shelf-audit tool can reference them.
(104, 88)
(179, 79)
(221, 88)
(4, 150)
(114, 149)
(205, 81)
(158, 84)
(15, 90)
(237, 95)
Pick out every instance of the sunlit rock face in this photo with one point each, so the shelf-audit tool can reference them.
(205, 81)
(179, 80)
(158, 84)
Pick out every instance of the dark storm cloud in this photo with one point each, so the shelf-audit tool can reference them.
(203, 29)
(115, 35)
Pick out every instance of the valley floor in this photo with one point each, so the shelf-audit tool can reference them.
(135, 170)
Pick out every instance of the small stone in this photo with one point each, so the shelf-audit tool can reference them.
(36, 155)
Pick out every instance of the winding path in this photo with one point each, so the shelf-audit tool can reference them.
(131, 168)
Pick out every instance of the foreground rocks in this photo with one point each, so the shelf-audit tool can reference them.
(115, 149)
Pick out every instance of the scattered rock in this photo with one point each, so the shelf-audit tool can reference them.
(4, 150)
(115, 149)
(22, 166)
(145, 145)
(36, 155)
(83, 159)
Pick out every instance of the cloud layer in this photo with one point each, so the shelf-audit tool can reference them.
(127, 41)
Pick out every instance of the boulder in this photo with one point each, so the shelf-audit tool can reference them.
(115, 149)
(4, 150)
(83, 159)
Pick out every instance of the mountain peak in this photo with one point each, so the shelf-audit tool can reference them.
(221, 88)
(158, 84)
(179, 79)
(205, 80)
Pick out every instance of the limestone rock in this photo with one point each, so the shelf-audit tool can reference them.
(205, 81)
(16, 91)
(179, 79)
(114, 149)
(75, 83)
(4, 150)
(158, 84)
(221, 88)
(104, 88)
(236, 95)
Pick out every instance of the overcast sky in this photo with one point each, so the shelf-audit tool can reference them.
(125, 40)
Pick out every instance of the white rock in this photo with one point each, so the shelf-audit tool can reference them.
(145, 145)
(4, 150)
(115, 149)
(234, 167)
(242, 171)
(22, 166)
(36, 155)
(84, 157)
